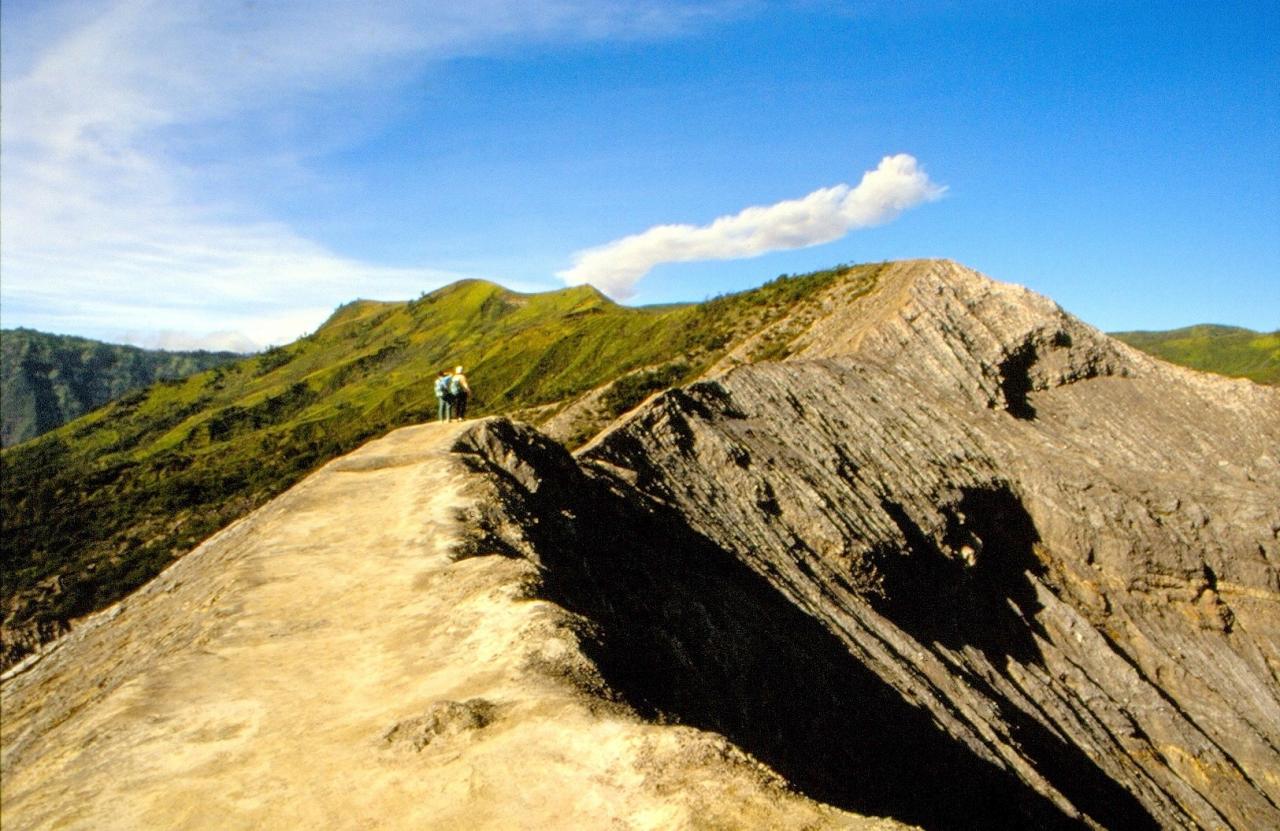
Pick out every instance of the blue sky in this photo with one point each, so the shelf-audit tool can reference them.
(225, 173)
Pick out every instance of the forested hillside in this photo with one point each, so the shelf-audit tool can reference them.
(47, 380)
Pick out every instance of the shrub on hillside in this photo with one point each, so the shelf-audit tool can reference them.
(629, 390)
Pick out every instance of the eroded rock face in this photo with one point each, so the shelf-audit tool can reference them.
(959, 537)
(1063, 552)
(683, 629)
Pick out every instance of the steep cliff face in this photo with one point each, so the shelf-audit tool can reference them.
(1062, 551)
(959, 560)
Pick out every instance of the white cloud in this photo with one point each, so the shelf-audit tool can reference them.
(129, 124)
(898, 183)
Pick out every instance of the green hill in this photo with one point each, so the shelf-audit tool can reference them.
(98, 506)
(48, 380)
(1226, 350)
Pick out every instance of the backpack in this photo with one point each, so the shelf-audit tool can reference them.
(443, 387)
(455, 385)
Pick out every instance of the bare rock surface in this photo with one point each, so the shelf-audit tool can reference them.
(1063, 551)
(329, 662)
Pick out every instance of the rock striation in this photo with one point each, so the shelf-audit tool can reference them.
(1062, 551)
(1047, 562)
(958, 560)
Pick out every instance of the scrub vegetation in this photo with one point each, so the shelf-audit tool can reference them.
(1226, 350)
(97, 507)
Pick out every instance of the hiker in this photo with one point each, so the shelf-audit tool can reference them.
(444, 397)
(460, 391)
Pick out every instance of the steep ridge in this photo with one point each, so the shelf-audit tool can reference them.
(1063, 551)
(99, 506)
(958, 559)
(348, 656)
(685, 631)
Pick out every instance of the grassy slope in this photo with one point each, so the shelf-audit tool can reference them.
(48, 380)
(1226, 350)
(97, 507)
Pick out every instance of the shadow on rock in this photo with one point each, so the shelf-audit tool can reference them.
(684, 632)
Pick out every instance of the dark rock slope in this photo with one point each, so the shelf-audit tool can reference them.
(961, 560)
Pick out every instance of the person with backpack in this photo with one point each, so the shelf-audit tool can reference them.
(444, 397)
(460, 391)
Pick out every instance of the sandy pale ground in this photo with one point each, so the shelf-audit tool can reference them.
(323, 664)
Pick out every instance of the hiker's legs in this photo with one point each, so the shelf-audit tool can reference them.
(445, 411)
(460, 407)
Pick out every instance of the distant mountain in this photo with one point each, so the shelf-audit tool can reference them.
(49, 380)
(1226, 350)
(97, 507)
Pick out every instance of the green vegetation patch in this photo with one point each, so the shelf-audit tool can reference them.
(1226, 350)
(630, 390)
(48, 380)
(100, 505)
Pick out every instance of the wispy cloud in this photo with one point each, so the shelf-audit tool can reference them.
(898, 183)
(124, 118)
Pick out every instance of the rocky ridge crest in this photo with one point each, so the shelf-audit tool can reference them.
(1062, 550)
(959, 559)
